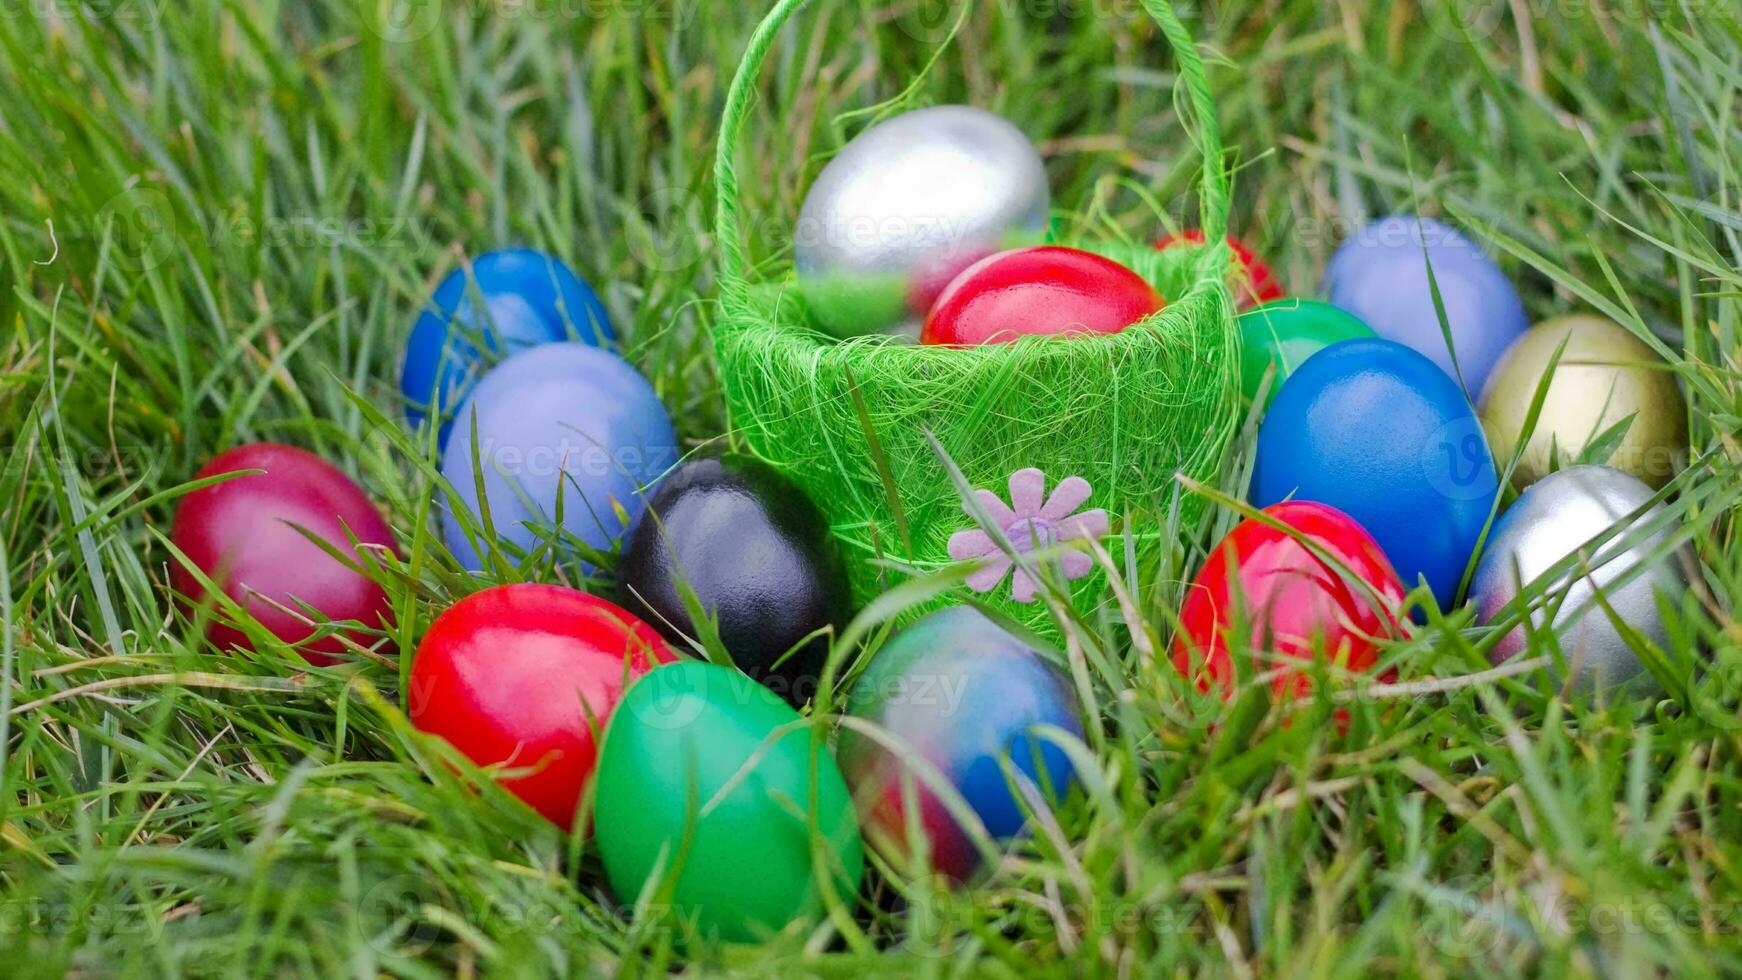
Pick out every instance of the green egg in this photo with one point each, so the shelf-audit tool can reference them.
(1288, 331)
(710, 783)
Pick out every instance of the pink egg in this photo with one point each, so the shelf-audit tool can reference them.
(242, 534)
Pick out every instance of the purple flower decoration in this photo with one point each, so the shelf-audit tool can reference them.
(1032, 522)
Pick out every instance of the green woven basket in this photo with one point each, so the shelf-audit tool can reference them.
(853, 422)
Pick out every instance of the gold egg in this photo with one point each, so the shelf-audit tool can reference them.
(1604, 375)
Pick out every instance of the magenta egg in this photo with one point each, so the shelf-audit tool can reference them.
(969, 699)
(246, 535)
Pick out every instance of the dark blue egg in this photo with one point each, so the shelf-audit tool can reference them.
(1379, 432)
(528, 298)
(1381, 276)
(745, 543)
(560, 428)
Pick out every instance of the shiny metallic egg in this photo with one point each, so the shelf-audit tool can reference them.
(905, 206)
(1604, 375)
(1555, 518)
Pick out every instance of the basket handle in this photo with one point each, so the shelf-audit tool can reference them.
(728, 229)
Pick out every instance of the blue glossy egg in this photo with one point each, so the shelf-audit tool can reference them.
(1379, 432)
(1381, 276)
(528, 297)
(560, 429)
(957, 695)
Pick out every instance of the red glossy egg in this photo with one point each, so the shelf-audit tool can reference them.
(243, 534)
(524, 677)
(1047, 289)
(1251, 278)
(1293, 601)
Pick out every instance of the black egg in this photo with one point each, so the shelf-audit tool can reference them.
(758, 556)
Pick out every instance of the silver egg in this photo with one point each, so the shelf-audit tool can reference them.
(905, 206)
(1554, 518)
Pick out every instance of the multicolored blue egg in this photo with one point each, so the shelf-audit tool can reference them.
(1381, 276)
(528, 297)
(958, 698)
(1377, 431)
(567, 439)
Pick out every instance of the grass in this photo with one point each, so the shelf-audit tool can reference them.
(218, 219)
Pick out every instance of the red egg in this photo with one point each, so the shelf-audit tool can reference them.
(1047, 289)
(1251, 277)
(1293, 601)
(524, 677)
(243, 534)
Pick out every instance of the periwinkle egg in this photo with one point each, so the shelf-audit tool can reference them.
(908, 204)
(562, 430)
(1561, 515)
(1380, 274)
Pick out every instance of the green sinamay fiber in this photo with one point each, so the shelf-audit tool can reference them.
(1125, 412)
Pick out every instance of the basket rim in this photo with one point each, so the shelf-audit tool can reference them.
(739, 320)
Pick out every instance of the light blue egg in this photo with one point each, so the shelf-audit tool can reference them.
(560, 420)
(1380, 274)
